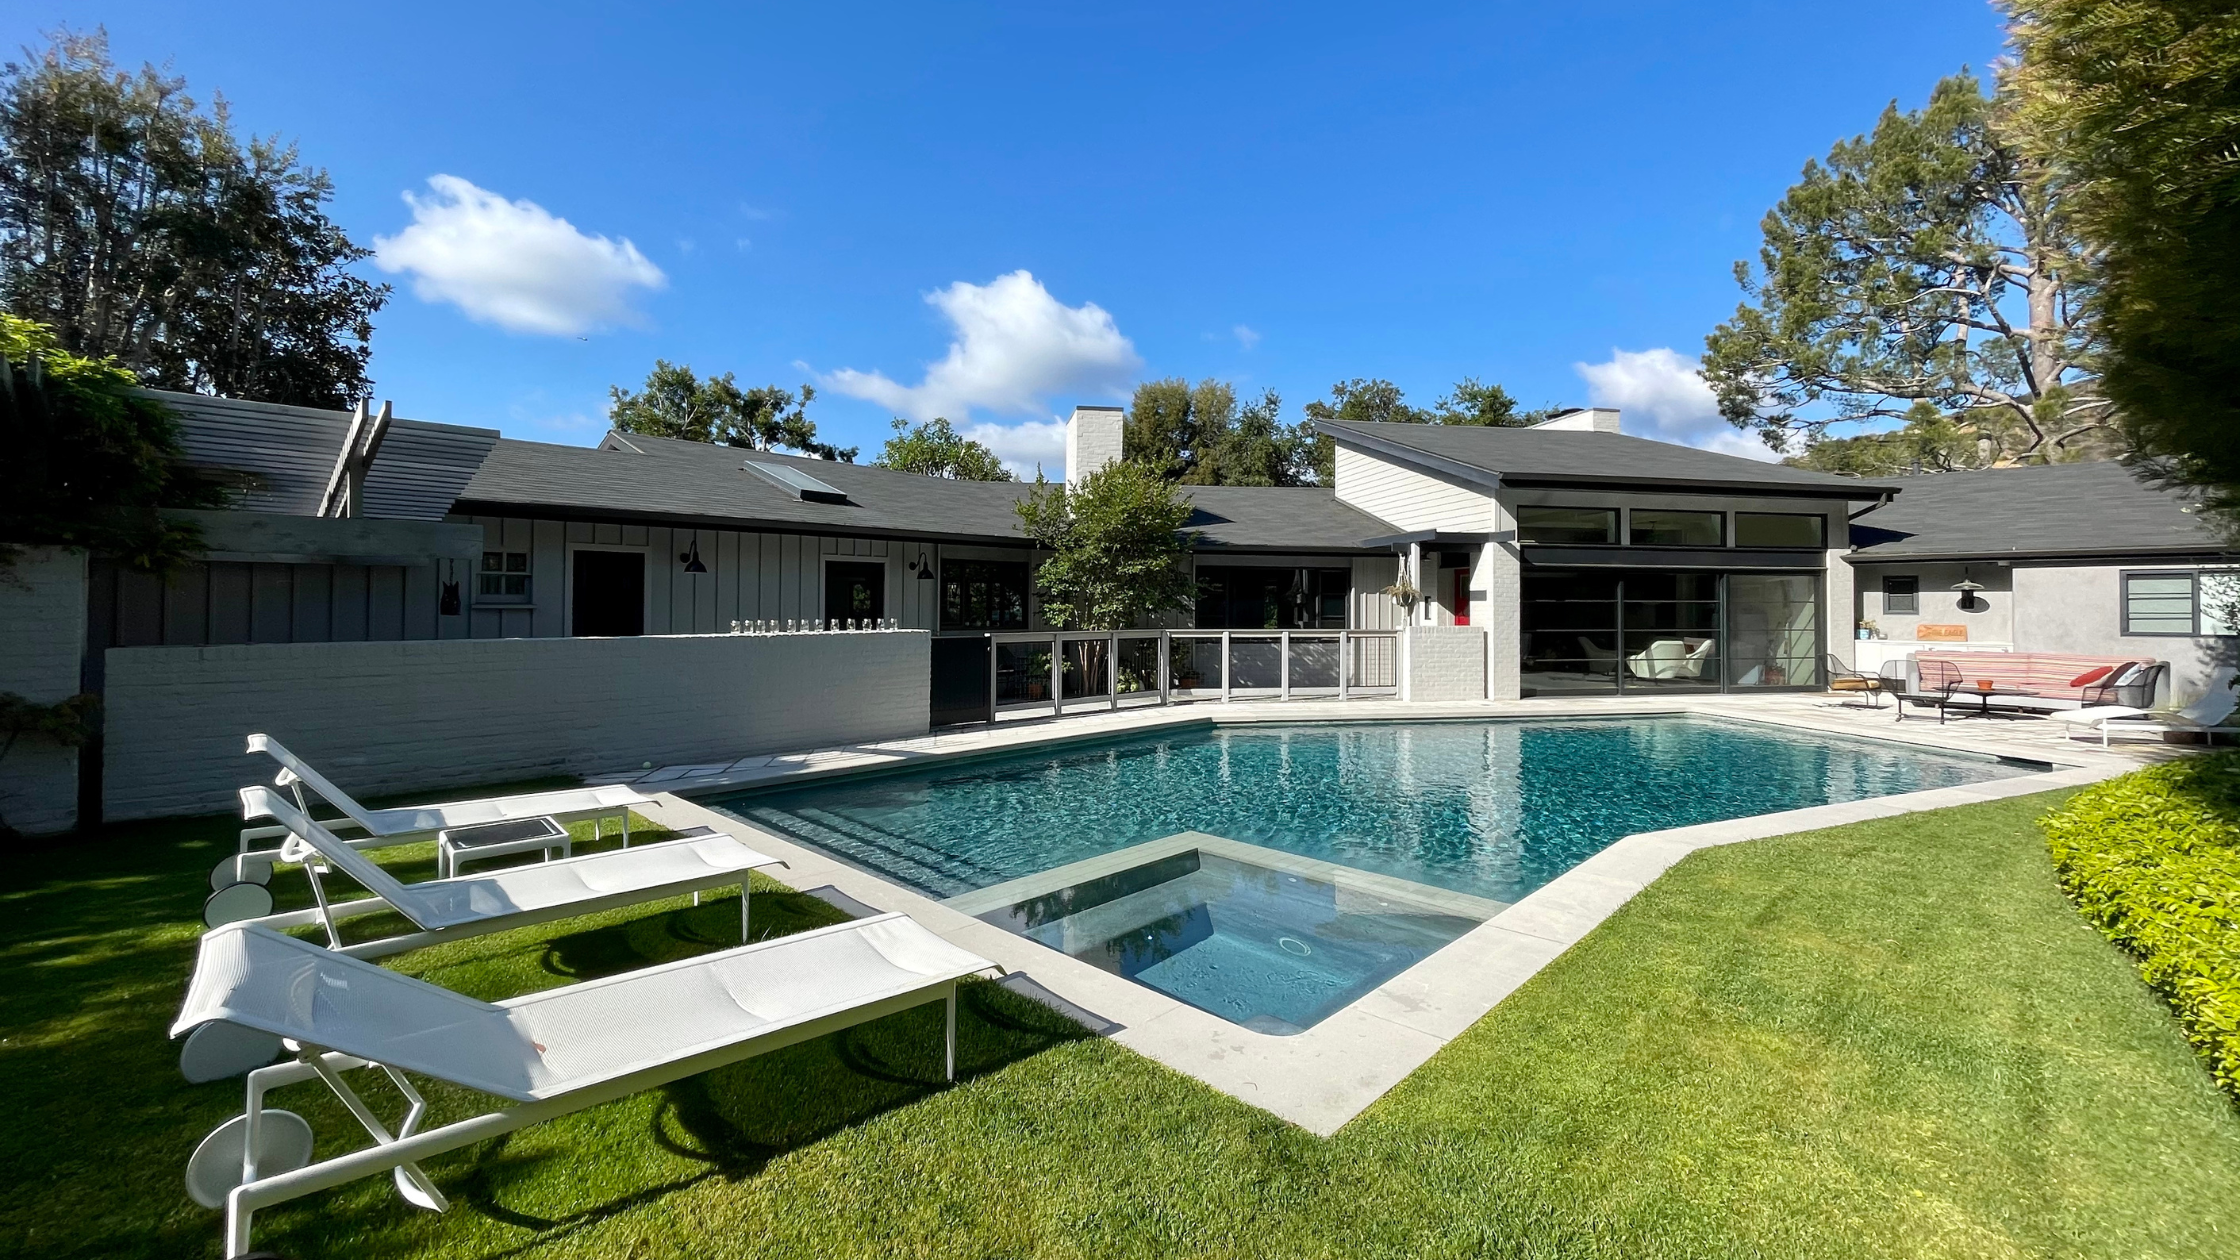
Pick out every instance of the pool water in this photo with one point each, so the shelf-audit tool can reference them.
(1270, 949)
(1451, 821)
(1494, 809)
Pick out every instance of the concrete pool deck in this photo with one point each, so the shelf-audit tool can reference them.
(1326, 1075)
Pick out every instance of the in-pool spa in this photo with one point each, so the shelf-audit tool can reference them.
(1272, 874)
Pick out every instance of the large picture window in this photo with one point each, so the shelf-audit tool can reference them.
(2181, 604)
(983, 595)
(1239, 598)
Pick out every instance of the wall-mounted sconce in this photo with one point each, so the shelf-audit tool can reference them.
(1968, 588)
(691, 559)
(922, 567)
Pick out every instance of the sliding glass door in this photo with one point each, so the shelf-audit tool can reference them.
(1655, 632)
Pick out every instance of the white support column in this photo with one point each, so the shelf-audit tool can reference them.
(1345, 664)
(1284, 689)
(1500, 569)
(1166, 668)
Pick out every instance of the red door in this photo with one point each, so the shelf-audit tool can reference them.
(1461, 603)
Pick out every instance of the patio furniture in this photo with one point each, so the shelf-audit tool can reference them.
(1600, 660)
(548, 1054)
(1670, 659)
(2205, 716)
(1843, 678)
(470, 905)
(2056, 681)
(457, 846)
(404, 823)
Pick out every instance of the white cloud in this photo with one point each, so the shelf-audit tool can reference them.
(1015, 346)
(1245, 336)
(1662, 395)
(514, 263)
(1025, 447)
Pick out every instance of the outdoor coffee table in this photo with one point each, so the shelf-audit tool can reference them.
(1982, 695)
(461, 845)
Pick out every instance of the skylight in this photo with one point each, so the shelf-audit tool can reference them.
(800, 484)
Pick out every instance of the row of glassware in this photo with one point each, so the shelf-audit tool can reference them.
(814, 625)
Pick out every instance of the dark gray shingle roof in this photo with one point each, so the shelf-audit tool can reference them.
(2054, 510)
(291, 451)
(1556, 456)
(665, 479)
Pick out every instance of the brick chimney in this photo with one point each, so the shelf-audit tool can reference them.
(1092, 440)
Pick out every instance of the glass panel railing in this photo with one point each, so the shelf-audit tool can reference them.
(1314, 663)
(1255, 663)
(1023, 672)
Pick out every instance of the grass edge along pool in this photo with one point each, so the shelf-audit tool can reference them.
(1320, 831)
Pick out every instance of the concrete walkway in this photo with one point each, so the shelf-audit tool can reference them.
(1326, 1075)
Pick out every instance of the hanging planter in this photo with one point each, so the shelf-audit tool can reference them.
(1405, 594)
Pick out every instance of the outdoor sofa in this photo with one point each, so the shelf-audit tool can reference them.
(2057, 681)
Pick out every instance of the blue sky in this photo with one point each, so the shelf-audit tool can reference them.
(1547, 196)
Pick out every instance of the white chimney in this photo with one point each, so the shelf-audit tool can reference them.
(1092, 440)
(1584, 420)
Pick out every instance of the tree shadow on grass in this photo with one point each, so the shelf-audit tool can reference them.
(736, 1120)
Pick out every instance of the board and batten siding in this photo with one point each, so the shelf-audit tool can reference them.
(750, 577)
(201, 604)
(1408, 498)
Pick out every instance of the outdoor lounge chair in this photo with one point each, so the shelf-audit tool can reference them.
(548, 1053)
(470, 905)
(2205, 716)
(406, 823)
(1843, 678)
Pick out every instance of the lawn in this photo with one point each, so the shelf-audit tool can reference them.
(1888, 1039)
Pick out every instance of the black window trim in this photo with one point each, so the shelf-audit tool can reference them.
(1726, 531)
(1617, 524)
(2193, 582)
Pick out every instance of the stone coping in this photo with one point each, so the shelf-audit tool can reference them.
(1324, 1076)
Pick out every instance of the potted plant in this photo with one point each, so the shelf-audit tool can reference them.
(1404, 594)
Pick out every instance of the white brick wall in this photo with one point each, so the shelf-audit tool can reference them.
(42, 638)
(1445, 663)
(413, 716)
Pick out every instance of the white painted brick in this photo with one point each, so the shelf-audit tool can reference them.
(412, 716)
(1445, 663)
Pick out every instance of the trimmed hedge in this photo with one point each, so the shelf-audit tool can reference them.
(2153, 859)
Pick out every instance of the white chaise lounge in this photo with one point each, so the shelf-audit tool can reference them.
(548, 1053)
(2207, 715)
(411, 822)
(469, 905)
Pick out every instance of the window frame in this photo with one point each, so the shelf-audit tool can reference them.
(2195, 618)
(1720, 515)
(1912, 597)
(951, 565)
(1609, 539)
(503, 573)
(1820, 528)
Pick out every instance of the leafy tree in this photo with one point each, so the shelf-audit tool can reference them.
(675, 403)
(2136, 107)
(1379, 401)
(1491, 406)
(139, 227)
(1927, 443)
(89, 462)
(1368, 401)
(1170, 422)
(1116, 544)
(1259, 449)
(938, 450)
(1931, 262)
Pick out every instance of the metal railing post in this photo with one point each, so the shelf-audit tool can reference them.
(1226, 671)
(1345, 663)
(1112, 671)
(1166, 662)
(1057, 675)
(1283, 667)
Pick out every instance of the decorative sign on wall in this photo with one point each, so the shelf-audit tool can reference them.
(1940, 634)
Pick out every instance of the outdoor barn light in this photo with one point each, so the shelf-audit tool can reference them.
(1968, 588)
(691, 558)
(923, 566)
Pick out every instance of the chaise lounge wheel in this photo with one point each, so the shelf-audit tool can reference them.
(241, 868)
(284, 1145)
(218, 1050)
(235, 902)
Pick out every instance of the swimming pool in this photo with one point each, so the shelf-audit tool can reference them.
(1447, 821)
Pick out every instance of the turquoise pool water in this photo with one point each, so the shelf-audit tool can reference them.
(1493, 809)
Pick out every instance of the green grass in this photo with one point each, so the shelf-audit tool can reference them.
(1887, 1039)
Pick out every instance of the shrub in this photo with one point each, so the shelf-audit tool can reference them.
(2153, 859)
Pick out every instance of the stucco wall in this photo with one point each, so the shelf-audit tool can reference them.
(2079, 608)
(1445, 663)
(393, 717)
(1992, 623)
(42, 638)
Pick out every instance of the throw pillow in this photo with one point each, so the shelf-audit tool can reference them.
(2092, 676)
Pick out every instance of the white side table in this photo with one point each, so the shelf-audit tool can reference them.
(461, 845)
